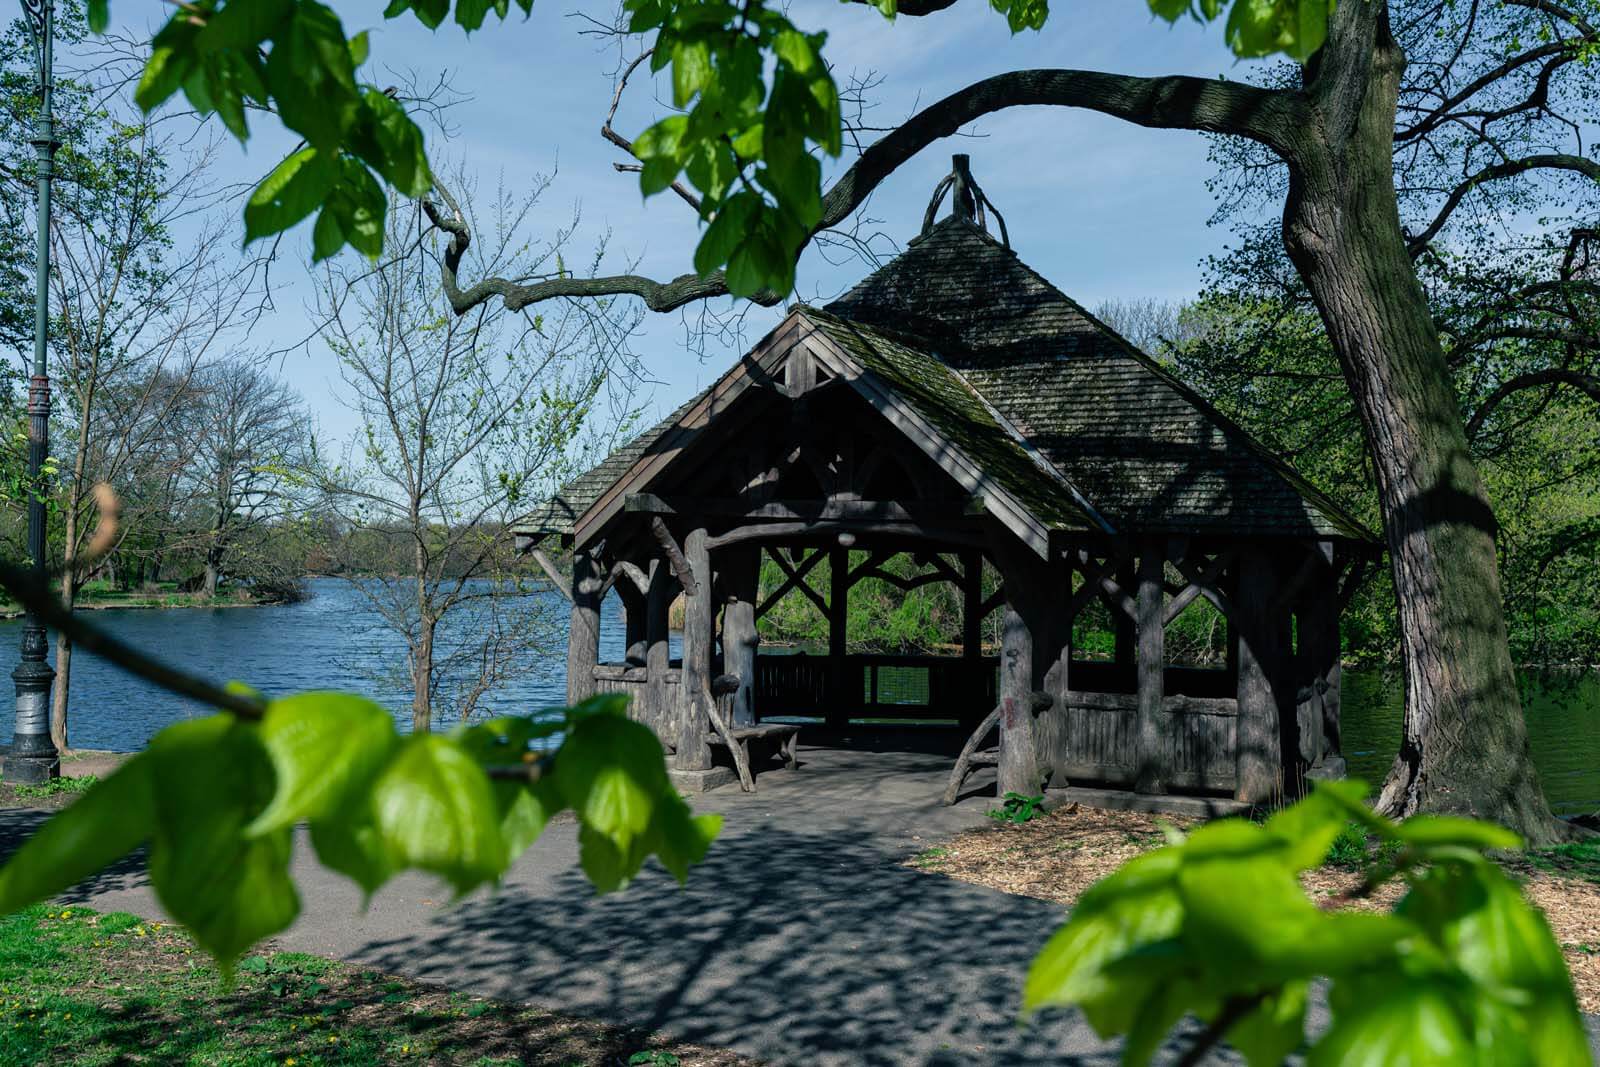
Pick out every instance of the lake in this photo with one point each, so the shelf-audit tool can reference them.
(334, 640)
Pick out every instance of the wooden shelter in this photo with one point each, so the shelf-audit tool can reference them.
(957, 407)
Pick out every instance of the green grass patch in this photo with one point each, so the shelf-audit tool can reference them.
(1576, 860)
(81, 987)
(55, 787)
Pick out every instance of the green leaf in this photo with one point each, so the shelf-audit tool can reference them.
(360, 48)
(112, 819)
(435, 811)
(350, 843)
(327, 237)
(1434, 831)
(239, 25)
(326, 748)
(1394, 1020)
(691, 70)
(1135, 907)
(1310, 826)
(525, 810)
(295, 188)
(682, 839)
(164, 72)
(1483, 923)
(1268, 1034)
(211, 778)
(99, 14)
(393, 145)
(311, 76)
(728, 227)
(611, 773)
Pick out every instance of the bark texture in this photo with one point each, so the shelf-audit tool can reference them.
(1464, 748)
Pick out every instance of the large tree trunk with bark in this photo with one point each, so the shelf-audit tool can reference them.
(1464, 748)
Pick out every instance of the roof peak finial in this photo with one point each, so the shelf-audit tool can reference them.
(967, 200)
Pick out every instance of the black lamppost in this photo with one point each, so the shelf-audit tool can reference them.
(33, 757)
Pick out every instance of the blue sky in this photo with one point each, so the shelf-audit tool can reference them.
(1104, 209)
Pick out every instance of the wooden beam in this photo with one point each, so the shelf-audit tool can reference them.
(681, 567)
(583, 633)
(694, 689)
(833, 509)
(971, 605)
(795, 579)
(631, 571)
(557, 579)
(1018, 769)
(659, 713)
(1197, 586)
(1262, 653)
(1151, 658)
(1195, 577)
(741, 573)
(839, 702)
(789, 531)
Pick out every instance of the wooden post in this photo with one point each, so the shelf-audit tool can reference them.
(971, 604)
(1263, 651)
(634, 624)
(1150, 628)
(1124, 629)
(1319, 653)
(741, 571)
(1054, 653)
(658, 711)
(583, 636)
(844, 691)
(1018, 769)
(694, 687)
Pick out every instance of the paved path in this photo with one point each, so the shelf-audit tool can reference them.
(802, 940)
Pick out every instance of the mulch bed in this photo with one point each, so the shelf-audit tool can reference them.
(1057, 856)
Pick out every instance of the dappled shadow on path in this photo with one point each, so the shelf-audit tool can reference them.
(801, 948)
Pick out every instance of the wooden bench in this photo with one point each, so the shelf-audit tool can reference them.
(786, 735)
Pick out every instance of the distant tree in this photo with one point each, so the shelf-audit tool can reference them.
(466, 424)
(249, 436)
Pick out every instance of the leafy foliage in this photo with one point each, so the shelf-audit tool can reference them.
(756, 103)
(1017, 809)
(215, 799)
(1462, 971)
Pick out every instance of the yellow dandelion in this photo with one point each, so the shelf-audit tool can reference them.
(334, 1040)
(68, 1015)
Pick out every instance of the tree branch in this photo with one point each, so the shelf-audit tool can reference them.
(1587, 383)
(1273, 117)
(1508, 169)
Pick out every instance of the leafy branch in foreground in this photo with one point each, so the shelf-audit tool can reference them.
(1216, 925)
(216, 799)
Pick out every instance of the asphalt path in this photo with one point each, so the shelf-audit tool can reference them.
(803, 939)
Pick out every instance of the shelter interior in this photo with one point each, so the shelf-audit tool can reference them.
(957, 408)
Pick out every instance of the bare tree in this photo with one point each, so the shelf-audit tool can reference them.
(466, 423)
(250, 430)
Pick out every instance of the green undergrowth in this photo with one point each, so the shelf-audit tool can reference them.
(55, 787)
(87, 988)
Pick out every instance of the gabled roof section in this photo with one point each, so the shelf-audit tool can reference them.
(559, 515)
(1146, 451)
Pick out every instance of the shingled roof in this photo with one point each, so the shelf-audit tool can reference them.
(1082, 428)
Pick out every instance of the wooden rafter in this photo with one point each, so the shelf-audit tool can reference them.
(1197, 579)
(1197, 586)
(794, 578)
(675, 557)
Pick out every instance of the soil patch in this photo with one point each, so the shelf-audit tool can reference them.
(1060, 854)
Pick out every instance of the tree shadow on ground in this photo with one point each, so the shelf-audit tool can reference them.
(799, 948)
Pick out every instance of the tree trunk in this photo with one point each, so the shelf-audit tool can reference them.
(422, 679)
(1464, 748)
(69, 596)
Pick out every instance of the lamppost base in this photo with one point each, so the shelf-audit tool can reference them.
(36, 767)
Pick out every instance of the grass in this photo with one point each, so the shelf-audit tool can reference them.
(55, 787)
(1579, 860)
(77, 986)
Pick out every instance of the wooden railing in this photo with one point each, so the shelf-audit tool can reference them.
(876, 687)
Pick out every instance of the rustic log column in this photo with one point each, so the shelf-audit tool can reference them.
(971, 604)
(583, 637)
(1150, 630)
(694, 687)
(1263, 703)
(741, 571)
(659, 710)
(1125, 630)
(1018, 769)
(1053, 652)
(844, 692)
(634, 624)
(1319, 651)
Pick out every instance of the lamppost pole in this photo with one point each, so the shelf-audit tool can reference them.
(33, 757)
